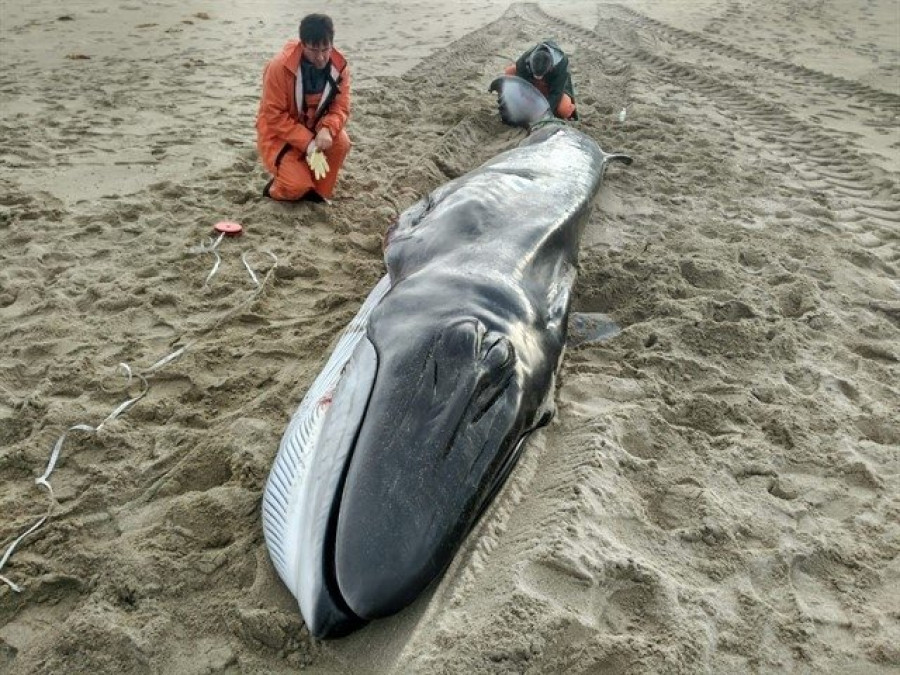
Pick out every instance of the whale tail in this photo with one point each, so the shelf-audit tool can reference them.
(520, 103)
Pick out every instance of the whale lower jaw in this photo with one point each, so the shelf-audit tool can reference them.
(286, 504)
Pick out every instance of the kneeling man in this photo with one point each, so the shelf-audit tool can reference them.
(302, 114)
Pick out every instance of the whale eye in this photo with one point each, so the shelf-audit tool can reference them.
(499, 352)
(498, 356)
(416, 213)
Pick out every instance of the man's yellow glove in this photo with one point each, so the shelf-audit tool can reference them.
(316, 160)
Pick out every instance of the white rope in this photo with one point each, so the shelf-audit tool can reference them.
(44, 479)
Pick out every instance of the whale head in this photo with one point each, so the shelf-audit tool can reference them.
(433, 443)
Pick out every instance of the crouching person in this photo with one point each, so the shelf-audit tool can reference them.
(303, 112)
(546, 66)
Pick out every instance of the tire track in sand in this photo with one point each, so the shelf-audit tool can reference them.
(862, 198)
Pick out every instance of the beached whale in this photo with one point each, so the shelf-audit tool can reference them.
(422, 410)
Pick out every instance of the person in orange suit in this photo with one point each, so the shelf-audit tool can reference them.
(303, 112)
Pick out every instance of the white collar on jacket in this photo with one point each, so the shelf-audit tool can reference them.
(327, 93)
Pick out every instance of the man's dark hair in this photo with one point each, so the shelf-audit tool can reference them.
(316, 29)
(540, 61)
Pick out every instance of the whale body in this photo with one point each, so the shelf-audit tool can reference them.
(425, 403)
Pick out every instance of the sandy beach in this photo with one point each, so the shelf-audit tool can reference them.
(719, 491)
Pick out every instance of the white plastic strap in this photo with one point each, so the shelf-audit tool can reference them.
(18, 540)
(166, 359)
(215, 267)
(250, 269)
(210, 247)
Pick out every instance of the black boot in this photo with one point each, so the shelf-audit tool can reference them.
(313, 196)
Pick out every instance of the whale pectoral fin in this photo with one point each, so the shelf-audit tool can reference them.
(617, 157)
(559, 297)
(556, 313)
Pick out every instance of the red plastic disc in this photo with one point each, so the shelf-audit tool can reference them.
(229, 228)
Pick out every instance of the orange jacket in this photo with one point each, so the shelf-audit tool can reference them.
(278, 121)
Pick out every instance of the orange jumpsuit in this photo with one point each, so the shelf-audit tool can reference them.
(284, 129)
